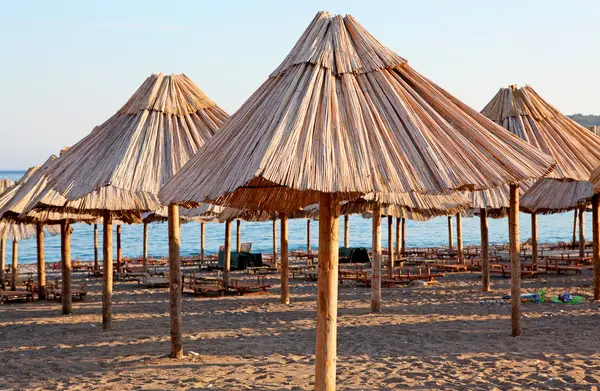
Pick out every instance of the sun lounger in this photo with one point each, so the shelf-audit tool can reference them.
(246, 287)
(419, 275)
(452, 267)
(15, 295)
(204, 286)
(154, 282)
(505, 271)
(56, 292)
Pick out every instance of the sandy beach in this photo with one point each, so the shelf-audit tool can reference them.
(447, 336)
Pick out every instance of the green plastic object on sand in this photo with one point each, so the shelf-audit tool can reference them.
(535, 297)
(566, 298)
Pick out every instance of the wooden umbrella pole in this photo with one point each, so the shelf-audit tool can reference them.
(41, 263)
(534, 240)
(390, 246)
(308, 248)
(238, 231)
(107, 272)
(459, 239)
(596, 239)
(403, 247)
(398, 254)
(581, 232)
(346, 231)
(65, 248)
(575, 212)
(275, 263)
(285, 285)
(227, 255)
(450, 241)
(515, 261)
(327, 286)
(376, 263)
(175, 282)
(14, 266)
(485, 250)
(202, 241)
(145, 247)
(96, 266)
(119, 251)
(2, 261)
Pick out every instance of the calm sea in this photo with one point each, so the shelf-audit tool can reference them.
(552, 228)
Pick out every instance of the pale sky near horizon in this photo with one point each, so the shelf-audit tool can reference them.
(69, 65)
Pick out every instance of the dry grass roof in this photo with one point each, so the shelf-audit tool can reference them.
(524, 113)
(125, 161)
(548, 196)
(496, 201)
(344, 114)
(16, 202)
(5, 183)
(204, 213)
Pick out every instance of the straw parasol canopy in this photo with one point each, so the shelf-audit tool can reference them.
(122, 164)
(16, 204)
(341, 117)
(344, 114)
(495, 201)
(547, 197)
(524, 113)
(205, 213)
(5, 183)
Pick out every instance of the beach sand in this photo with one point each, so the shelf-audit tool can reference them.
(449, 336)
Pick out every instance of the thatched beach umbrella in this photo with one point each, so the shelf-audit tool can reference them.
(14, 206)
(117, 170)
(576, 150)
(344, 116)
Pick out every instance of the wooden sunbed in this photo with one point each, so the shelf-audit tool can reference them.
(205, 286)
(452, 267)
(408, 276)
(56, 292)
(247, 287)
(16, 295)
(505, 271)
(555, 266)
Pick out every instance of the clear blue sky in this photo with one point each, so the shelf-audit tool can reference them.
(69, 65)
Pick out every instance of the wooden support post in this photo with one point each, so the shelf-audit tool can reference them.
(450, 240)
(398, 253)
(575, 212)
(14, 266)
(327, 294)
(581, 232)
(145, 247)
(227, 255)
(403, 247)
(390, 246)
(376, 262)
(485, 250)
(107, 272)
(534, 240)
(596, 239)
(285, 272)
(41, 263)
(238, 232)
(119, 251)
(346, 231)
(515, 260)
(96, 266)
(275, 263)
(175, 281)
(459, 239)
(202, 241)
(2, 262)
(65, 250)
(308, 247)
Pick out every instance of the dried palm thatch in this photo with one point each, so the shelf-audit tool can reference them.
(344, 114)
(496, 201)
(124, 162)
(5, 184)
(204, 213)
(524, 113)
(261, 215)
(16, 202)
(548, 196)
(595, 129)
